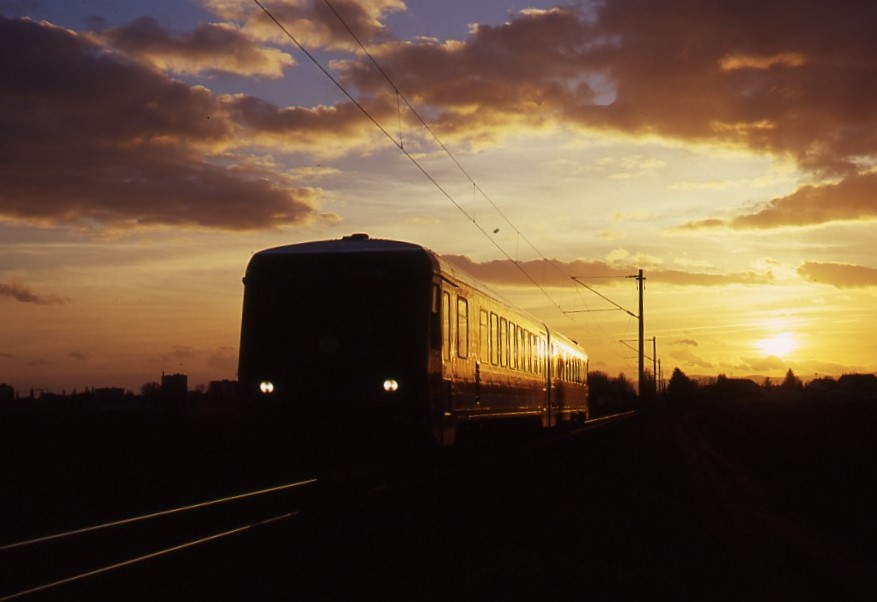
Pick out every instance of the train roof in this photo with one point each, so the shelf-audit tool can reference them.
(355, 243)
(363, 243)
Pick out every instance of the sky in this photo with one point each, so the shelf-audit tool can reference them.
(728, 148)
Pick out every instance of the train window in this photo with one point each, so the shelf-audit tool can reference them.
(484, 337)
(541, 355)
(522, 350)
(462, 327)
(503, 342)
(494, 338)
(446, 325)
(511, 342)
(516, 337)
(528, 358)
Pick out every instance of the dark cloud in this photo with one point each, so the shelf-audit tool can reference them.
(79, 355)
(689, 342)
(308, 127)
(556, 273)
(209, 47)
(790, 80)
(133, 147)
(841, 275)
(91, 137)
(853, 198)
(21, 292)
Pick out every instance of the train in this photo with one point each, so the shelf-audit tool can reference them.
(389, 335)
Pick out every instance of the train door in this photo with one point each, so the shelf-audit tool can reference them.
(441, 366)
(551, 410)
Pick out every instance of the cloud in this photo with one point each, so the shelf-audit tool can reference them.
(21, 292)
(771, 362)
(210, 47)
(314, 23)
(135, 148)
(97, 139)
(690, 342)
(682, 71)
(556, 273)
(79, 355)
(853, 198)
(223, 360)
(688, 358)
(841, 275)
(743, 61)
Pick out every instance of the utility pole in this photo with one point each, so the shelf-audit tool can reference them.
(655, 362)
(640, 279)
(640, 282)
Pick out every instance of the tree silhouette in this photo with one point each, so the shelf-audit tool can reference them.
(792, 382)
(681, 390)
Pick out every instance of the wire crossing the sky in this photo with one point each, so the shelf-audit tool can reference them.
(398, 143)
(435, 137)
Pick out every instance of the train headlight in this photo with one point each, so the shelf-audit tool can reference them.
(391, 385)
(266, 387)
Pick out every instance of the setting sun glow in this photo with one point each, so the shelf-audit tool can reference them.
(779, 345)
(127, 218)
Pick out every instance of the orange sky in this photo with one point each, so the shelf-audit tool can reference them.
(726, 148)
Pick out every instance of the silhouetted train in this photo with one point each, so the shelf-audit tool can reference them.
(389, 333)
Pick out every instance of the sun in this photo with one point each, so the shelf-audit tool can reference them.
(779, 345)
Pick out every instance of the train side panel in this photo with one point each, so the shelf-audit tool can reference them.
(498, 363)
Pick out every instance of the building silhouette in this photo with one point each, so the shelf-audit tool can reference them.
(174, 387)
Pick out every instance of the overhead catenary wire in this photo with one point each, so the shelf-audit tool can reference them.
(398, 143)
(435, 137)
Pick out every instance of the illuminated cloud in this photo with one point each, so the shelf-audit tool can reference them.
(21, 292)
(840, 275)
(311, 21)
(209, 47)
(132, 148)
(764, 364)
(744, 61)
(681, 71)
(688, 358)
(672, 71)
(853, 198)
(143, 149)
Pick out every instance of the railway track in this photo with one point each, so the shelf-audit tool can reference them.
(95, 560)
(50, 562)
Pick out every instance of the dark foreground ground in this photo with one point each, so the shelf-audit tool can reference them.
(756, 501)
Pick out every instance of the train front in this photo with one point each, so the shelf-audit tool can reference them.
(336, 334)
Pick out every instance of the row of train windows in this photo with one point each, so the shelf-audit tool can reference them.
(502, 342)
